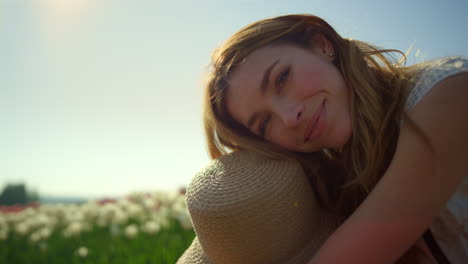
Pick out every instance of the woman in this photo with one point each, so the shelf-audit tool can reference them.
(291, 87)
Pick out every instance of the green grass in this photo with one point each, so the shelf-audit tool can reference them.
(163, 247)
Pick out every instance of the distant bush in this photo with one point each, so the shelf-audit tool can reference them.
(17, 194)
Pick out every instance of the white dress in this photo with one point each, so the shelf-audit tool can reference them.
(450, 229)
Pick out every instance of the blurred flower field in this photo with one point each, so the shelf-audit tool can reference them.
(142, 228)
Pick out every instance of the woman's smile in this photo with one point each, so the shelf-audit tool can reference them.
(317, 123)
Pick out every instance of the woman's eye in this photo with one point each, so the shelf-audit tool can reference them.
(282, 78)
(263, 126)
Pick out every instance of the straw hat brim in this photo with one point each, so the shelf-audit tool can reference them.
(194, 253)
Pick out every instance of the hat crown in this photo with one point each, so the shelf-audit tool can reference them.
(228, 182)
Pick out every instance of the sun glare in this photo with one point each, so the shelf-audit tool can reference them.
(65, 6)
(63, 19)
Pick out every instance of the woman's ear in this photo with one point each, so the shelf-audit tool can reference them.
(322, 46)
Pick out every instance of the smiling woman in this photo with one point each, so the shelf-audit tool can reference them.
(359, 123)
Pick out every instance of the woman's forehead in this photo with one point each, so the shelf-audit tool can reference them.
(255, 64)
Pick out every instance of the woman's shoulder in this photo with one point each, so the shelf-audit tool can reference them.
(430, 73)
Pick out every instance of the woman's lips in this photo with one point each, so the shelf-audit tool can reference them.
(316, 125)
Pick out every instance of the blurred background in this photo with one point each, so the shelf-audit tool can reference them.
(100, 98)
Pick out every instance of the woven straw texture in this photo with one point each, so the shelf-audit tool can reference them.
(246, 208)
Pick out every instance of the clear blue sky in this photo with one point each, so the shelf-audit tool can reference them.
(103, 97)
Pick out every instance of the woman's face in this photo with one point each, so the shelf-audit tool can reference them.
(293, 97)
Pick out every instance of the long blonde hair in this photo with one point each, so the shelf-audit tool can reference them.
(378, 85)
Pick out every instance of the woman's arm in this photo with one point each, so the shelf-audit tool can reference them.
(418, 183)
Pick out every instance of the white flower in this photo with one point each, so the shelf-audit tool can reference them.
(162, 216)
(90, 210)
(41, 220)
(131, 231)
(166, 198)
(3, 221)
(75, 215)
(44, 232)
(149, 203)
(4, 229)
(101, 221)
(135, 211)
(119, 218)
(22, 228)
(123, 203)
(185, 220)
(28, 212)
(111, 213)
(3, 234)
(178, 207)
(82, 252)
(151, 227)
(73, 229)
(34, 237)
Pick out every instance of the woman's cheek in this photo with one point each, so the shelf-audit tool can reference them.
(285, 142)
(308, 86)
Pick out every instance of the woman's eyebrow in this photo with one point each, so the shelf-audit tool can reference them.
(266, 77)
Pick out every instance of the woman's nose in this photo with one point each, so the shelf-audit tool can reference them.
(291, 114)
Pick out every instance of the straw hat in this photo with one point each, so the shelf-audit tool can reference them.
(246, 208)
